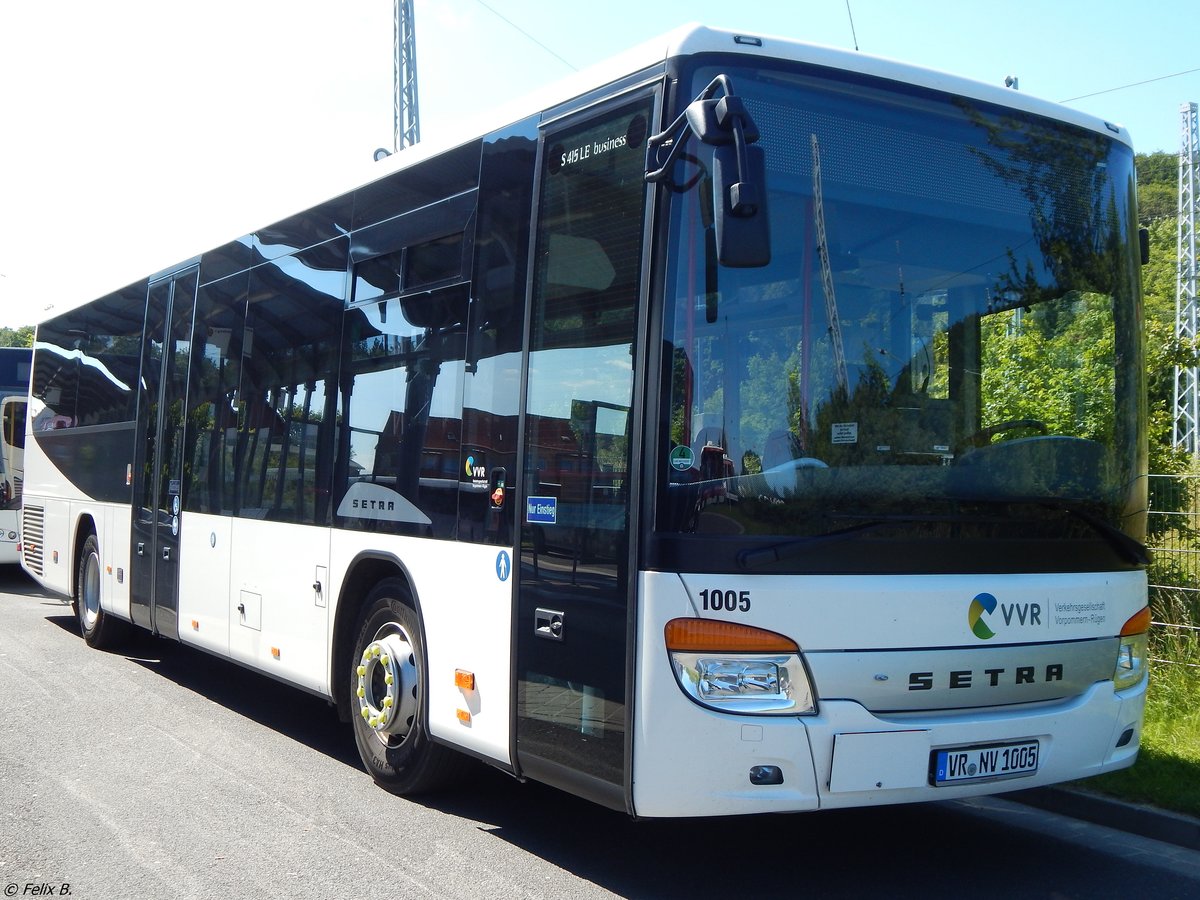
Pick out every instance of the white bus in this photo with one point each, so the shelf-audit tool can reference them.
(14, 386)
(751, 427)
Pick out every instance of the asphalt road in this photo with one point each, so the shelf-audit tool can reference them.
(160, 772)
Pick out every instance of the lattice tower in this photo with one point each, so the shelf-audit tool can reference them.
(408, 128)
(1186, 432)
(831, 307)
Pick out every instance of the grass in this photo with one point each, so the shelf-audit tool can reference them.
(1167, 772)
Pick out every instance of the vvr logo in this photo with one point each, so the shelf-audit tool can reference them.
(985, 605)
(473, 471)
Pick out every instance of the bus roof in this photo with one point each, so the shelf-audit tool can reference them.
(689, 40)
(694, 39)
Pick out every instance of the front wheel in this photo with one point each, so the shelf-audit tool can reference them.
(387, 698)
(99, 629)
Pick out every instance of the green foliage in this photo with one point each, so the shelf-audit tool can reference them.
(1158, 179)
(1164, 351)
(16, 337)
(1157, 168)
(1157, 201)
(1052, 364)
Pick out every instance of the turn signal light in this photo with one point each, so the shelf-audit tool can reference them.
(464, 680)
(1138, 623)
(711, 636)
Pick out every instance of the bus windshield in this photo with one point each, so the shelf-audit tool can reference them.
(943, 345)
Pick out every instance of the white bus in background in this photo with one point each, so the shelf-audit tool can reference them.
(14, 386)
(746, 427)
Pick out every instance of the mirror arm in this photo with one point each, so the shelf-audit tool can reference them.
(676, 148)
(676, 134)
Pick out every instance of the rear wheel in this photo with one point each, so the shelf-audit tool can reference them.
(99, 629)
(387, 698)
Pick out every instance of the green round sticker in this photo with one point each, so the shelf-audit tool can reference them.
(682, 458)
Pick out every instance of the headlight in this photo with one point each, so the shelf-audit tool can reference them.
(1134, 654)
(739, 669)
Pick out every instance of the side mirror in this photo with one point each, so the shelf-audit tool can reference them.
(739, 174)
(739, 180)
(740, 207)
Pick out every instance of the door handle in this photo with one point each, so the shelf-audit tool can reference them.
(548, 624)
(141, 548)
(166, 553)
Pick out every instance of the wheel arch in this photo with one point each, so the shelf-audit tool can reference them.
(365, 571)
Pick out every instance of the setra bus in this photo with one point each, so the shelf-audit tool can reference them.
(747, 427)
(15, 363)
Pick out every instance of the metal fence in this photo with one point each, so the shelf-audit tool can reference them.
(1174, 541)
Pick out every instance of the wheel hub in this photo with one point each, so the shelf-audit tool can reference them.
(89, 605)
(387, 681)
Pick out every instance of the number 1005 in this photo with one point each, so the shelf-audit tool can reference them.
(725, 601)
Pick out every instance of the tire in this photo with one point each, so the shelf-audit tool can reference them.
(389, 718)
(100, 630)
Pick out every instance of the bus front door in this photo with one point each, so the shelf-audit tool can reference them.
(158, 469)
(573, 594)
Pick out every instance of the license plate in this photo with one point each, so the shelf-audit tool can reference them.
(988, 763)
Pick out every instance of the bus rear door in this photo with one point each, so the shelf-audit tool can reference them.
(158, 469)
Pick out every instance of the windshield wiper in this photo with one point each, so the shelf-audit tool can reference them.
(784, 550)
(1129, 548)
(761, 556)
(1126, 547)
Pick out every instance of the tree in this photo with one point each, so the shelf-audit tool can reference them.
(1158, 177)
(1157, 202)
(16, 337)
(1157, 168)
(1158, 186)
(1053, 364)
(1163, 350)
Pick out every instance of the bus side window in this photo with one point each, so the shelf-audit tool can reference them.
(87, 368)
(212, 394)
(108, 342)
(403, 369)
(286, 399)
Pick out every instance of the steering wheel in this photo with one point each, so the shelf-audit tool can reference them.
(983, 436)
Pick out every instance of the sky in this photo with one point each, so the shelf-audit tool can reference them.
(135, 134)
